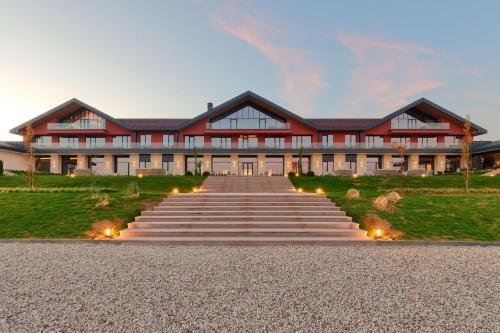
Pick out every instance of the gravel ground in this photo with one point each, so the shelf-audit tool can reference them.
(134, 288)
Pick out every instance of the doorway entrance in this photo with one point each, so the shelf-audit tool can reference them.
(247, 165)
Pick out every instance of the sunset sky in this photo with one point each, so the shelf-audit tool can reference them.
(318, 59)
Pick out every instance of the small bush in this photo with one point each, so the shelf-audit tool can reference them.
(132, 190)
(206, 174)
(352, 194)
(1, 168)
(291, 174)
(189, 173)
(371, 222)
(310, 173)
(383, 203)
(393, 196)
(102, 200)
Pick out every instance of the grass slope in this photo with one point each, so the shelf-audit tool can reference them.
(69, 215)
(451, 216)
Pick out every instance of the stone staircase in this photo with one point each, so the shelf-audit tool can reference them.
(239, 210)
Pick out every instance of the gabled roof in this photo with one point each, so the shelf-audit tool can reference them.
(18, 129)
(17, 146)
(483, 147)
(420, 101)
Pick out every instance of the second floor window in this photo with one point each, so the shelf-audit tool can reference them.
(327, 140)
(275, 142)
(247, 141)
(374, 141)
(452, 141)
(68, 141)
(427, 141)
(194, 141)
(403, 141)
(299, 141)
(168, 140)
(121, 141)
(43, 140)
(145, 140)
(221, 142)
(94, 142)
(144, 161)
(350, 140)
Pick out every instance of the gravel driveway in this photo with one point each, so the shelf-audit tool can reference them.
(134, 288)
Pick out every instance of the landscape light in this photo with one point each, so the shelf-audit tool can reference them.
(175, 190)
(107, 232)
(319, 191)
(296, 174)
(300, 190)
(355, 175)
(378, 232)
(286, 175)
(72, 175)
(140, 175)
(195, 189)
(423, 175)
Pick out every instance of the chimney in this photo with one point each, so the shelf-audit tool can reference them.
(210, 106)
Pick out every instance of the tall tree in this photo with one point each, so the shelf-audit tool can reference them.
(466, 158)
(30, 150)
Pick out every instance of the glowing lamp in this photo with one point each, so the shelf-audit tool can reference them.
(72, 175)
(319, 191)
(175, 190)
(195, 189)
(286, 176)
(140, 175)
(355, 175)
(378, 232)
(296, 174)
(423, 175)
(107, 232)
(300, 190)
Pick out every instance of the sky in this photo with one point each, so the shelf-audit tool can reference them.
(319, 59)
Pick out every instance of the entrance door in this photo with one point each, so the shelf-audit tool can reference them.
(247, 168)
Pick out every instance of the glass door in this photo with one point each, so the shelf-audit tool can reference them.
(247, 168)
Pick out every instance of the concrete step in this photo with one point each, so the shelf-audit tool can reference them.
(243, 212)
(242, 218)
(250, 240)
(246, 204)
(246, 232)
(169, 208)
(238, 224)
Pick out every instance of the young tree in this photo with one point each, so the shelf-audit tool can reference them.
(197, 163)
(466, 156)
(299, 163)
(401, 150)
(30, 150)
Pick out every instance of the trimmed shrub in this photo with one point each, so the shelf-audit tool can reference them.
(1, 168)
(189, 173)
(102, 200)
(383, 203)
(371, 222)
(291, 174)
(98, 228)
(132, 190)
(310, 173)
(206, 174)
(352, 193)
(393, 196)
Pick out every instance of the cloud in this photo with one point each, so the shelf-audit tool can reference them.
(302, 78)
(387, 74)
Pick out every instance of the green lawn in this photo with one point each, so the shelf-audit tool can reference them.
(70, 215)
(440, 215)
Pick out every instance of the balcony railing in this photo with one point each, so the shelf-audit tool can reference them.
(79, 125)
(283, 126)
(261, 146)
(419, 126)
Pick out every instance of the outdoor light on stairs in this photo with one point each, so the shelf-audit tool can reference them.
(354, 175)
(378, 232)
(175, 190)
(300, 190)
(107, 232)
(195, 189)
(319, 190)
(140, 175)
(72, 175)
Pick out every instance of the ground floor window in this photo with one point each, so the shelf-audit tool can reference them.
(247, 165)
(145, 161)
(191, 163)
(327, 165)
(351, 162)
(426, 162)
(122, 165)
(398, 161)
(373, 163)
(221, 165)
(68, 164)
(306, 161)
(96, 164)
(274, 165)
(452, 164)
(167, 162)
(42, 163)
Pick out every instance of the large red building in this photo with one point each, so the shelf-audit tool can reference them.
(247, 135)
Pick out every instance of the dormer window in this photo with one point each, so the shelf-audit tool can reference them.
(79, 120)
(248, 118)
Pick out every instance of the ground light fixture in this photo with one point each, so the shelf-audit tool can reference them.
(378, 232)
(72, 175)
(296, 174)
(319, 190)
(140, 175)
(300, 190)
(107, 232)
(175, 190)
(195, 189)
(423, 175)
(354, 175)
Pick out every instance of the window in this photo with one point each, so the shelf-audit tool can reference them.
(221, 165)
(452, 164)
(327, 164)
(247, 141)
(43, 140)
(373, 162)
(221, 142)
(96, 164)
(351, 162)
(427, 142)
(350, 140)
(404, 121)
(121, 141)
(167, 162)
(144, 161)
(299, 141)
(145, 140)
(42, 163)
(168, 140)
(68, 142)
(275, 142)
(85, 119)
(305, 163)
(327, 140)
(452, 141)
(194, 141)
(94, 142)
(122, 165)
(248, 118)
(374, 141)
(397, 162)
(403, 141)
(426, 162)
(274, 165)
(191, 163)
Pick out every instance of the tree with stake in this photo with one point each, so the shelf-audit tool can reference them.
(465, 143)
(30, 165)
